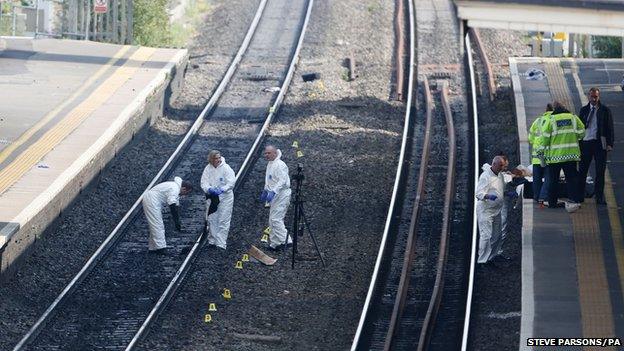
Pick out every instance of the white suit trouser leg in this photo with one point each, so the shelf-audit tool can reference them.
(489, 236)
(279, 206)
(507, 204)
(219, 222)
(153, 213)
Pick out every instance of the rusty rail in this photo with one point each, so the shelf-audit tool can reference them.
(400, 49)
(486, 62)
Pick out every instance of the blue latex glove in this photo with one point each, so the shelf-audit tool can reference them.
(218, 191)
(263, 196)
(512, 194)
(270, 196)
(490, 197)
(212, 191)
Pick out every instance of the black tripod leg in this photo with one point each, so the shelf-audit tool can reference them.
(305, 222)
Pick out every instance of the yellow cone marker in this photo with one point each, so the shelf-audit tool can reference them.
(207, 318)
(265, 238)
(213, 307)
(295, 144)
(299, 154)
(227, 294)
(245, 258)
(239, 265)
(267, 230)
(272, 109)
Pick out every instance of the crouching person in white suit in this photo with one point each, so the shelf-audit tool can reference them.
(166, 193)
(217, 182)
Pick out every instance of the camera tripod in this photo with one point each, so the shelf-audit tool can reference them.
(300, 223)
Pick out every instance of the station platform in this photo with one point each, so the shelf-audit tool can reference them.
(572, 264)
(66, 108)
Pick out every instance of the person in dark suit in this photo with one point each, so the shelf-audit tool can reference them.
(597, 142)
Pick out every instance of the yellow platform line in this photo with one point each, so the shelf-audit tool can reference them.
(612, 206)
(50, 115)
(27, 159)
(594, 298)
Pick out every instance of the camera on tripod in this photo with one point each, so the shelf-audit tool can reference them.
(299, 176)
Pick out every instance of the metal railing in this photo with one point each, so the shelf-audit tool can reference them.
(73, 19)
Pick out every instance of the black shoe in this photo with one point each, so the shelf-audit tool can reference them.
(280, 247)
(600, 200)
(558, 205)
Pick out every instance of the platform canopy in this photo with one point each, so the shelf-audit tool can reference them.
(596, 17)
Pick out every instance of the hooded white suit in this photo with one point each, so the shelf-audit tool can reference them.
(166, 193)
(489, 213)
(219, 222)
(278, 181)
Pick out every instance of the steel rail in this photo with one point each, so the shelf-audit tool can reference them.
(473, 252)
(436, 295)
(123, 223)
(181, 273)
(410, 247)
(397, 181)
(486, 62)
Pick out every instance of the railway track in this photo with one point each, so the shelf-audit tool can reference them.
(120, 291)
(418, 293)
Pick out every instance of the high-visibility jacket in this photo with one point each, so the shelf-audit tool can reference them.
(561, 137)
(535, 133)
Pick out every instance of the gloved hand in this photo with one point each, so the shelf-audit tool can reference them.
(270, 196)
(263, 196)
(218, 191)
(212, 191)
(490, 197)
(512, 194)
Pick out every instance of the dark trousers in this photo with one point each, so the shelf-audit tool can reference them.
(540, 189)
(592, 150)
(571, 176)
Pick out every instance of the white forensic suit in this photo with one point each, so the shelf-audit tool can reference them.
(163, 194)
(278, 181)
(219, 222)
(489, 213)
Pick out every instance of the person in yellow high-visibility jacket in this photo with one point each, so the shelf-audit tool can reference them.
(561, 138)
(538, 150)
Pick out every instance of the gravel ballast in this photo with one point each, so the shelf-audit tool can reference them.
(349, 134)
(63, 249)
(496, 310)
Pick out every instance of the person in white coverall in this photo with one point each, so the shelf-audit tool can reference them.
(277, 193)
(217, 182)
(490, 196)
(166, 193)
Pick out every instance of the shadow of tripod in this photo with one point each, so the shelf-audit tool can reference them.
(300, 223)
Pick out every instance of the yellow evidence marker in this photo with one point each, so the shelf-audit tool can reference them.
(299, 154)
(213, 307)
(227, 294)
(267, 230)
(295, 144)
(245, 258)
(207, 318)
(239, 265)
(265, 238)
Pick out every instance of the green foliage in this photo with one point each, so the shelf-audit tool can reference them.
(151, 23)
(606, 47)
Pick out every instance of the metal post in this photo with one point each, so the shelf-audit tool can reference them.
(14, 19)
(115, 13)
(571, 44)
(95, 26)
(88, 13)
(552, 44)
(130, 22)
(36, 18)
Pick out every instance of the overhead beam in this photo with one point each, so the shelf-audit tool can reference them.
(528, 17)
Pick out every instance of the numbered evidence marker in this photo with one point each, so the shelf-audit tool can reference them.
(245, 258)
(265, 238)
(267, 230)
(227, 294)
(207, 318)
(213, 307)
(299, 154)
(239, 265)
(295, 144)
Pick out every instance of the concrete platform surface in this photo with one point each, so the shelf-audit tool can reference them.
(66, 108)
(572, 264)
